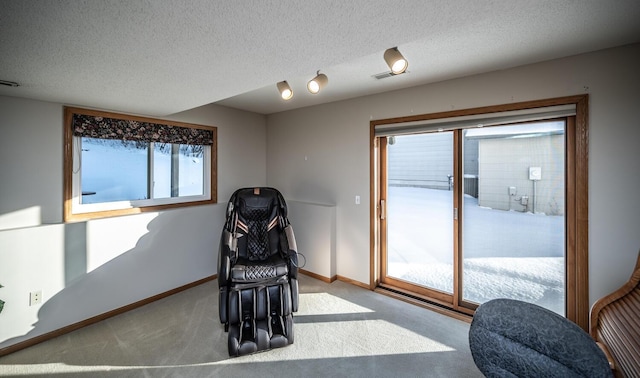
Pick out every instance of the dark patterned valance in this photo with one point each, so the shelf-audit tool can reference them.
(90, 126)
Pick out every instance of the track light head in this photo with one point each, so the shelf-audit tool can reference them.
(317, 83)
(396, 62)
(9, 83)
(285, 90)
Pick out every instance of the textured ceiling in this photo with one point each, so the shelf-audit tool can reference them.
(158, 57)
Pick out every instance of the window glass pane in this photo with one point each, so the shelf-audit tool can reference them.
(178, 170)
(513, 234)
(191, 171)
(113, 170)
(161, 170)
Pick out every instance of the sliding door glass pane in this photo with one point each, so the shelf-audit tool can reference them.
(513, 218)
(420, 210)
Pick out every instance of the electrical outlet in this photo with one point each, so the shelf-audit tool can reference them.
(35, 297)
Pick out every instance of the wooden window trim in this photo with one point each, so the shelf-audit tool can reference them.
(69, 216)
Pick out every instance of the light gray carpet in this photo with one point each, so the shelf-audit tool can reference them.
(340, 331)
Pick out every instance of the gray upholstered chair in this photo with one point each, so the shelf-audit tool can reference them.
(510, 338)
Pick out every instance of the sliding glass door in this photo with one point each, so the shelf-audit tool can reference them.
(475, 214)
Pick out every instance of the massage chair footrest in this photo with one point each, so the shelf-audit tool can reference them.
(260, 318)
(258, 335)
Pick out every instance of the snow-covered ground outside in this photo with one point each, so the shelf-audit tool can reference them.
(507, 254)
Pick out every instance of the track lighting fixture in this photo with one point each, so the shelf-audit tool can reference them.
(285, 90)
(396, 62)
(317, 83)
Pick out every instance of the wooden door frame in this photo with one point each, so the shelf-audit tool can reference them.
(577, 204)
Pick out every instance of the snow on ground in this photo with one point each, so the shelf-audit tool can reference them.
(508, 254)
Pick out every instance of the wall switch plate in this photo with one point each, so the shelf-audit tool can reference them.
(35, 297)
(357, 200)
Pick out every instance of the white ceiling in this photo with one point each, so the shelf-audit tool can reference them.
(158, 57)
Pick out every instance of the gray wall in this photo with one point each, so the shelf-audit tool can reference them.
(88, 268)
(335, 139)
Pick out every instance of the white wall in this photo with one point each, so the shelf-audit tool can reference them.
(88, 268)
(314, 227)
(334, 139)
(31, 156)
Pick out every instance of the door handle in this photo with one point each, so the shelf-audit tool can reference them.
(383, 207)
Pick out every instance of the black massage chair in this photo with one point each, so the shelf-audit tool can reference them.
(257, 272)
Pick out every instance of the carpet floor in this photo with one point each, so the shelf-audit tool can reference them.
(340, 330)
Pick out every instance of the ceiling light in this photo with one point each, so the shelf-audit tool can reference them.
(396, 62)
(317, 83)
(285, 90)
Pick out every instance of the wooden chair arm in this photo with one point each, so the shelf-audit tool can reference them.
(615, 328)
(601, 303)
(604, 348)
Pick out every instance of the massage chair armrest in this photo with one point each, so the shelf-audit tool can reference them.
(225, 254)
(293, 264)
(294, 294)
(224, 270)
(292, 251)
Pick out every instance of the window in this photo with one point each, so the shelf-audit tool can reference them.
(117, 164)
